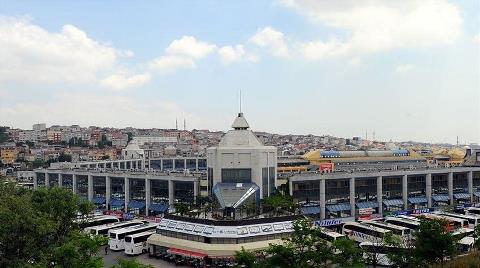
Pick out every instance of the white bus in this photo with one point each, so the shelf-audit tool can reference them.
(410, 224)
(473, 210)
(380, 252)
(472, 219)
(329, 235)
(362, 232)
(103, 229)
(96, 220)
(137, 243)
(117, 236)
(395, 229)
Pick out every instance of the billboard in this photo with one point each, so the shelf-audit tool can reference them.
(325, 167)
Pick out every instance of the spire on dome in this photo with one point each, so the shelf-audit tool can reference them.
(240, 123)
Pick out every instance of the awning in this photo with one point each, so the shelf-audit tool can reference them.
(417, 200)
(187, 253)
(136, 204)
(477, 194)
(461, 196)
(367, 204)
(98, 200)
(393, 202)
(158, 207)
(440, 198)
(339, 207)
(117, 202)
(310, 210)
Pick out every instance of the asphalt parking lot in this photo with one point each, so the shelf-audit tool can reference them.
(114, 256)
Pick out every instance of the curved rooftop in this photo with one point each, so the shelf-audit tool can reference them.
(240, 135)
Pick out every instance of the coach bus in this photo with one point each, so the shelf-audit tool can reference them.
(408, 223)
(136, 244)
(380, 251)
(451, 223)
(362, 232)
(96, 220)
(117, 236)
(473, 220)
(395, 229)
(103, 229)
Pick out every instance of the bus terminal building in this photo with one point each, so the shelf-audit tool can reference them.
(344, 194)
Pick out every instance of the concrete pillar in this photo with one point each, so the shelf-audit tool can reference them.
(405, 191)
(90, 187)
(352, 196)
(290, 187)
(470, 185)
(60, 180)
(127, 193)
(108, 189)
(196, 164)
(428, 189)
(171, 193)
(35, 180)
(161, 164)
(147, 196)
(47, 179)
(74, 183)
(322, 199)
(185, 163)
(195, 191)
(450, 187)
(380, 194)
(173, 163)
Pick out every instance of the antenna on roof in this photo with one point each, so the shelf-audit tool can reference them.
(176, 124)
(184, 124)
(240, 100)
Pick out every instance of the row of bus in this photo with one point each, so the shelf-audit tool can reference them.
(130, 236)
(370, 234)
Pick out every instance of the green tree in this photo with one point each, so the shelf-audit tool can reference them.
(349, 255)
(403, 257)
(245, 258)
(38, 229)
(64, 158)
(433, 243)
(131, 263)
(38, 163)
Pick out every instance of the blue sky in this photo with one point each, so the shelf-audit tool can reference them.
(407, 70)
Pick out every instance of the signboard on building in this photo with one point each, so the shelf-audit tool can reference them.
(328, 222)
(325, 167)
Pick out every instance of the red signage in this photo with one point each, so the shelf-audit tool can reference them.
(325, 167)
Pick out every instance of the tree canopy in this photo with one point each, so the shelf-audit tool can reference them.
(38, 229)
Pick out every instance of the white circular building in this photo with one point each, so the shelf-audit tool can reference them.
(133, 151)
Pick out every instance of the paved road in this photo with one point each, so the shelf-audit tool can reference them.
(113, 257)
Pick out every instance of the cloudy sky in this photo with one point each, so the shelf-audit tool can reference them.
(408, 70)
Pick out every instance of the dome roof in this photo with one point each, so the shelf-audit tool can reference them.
(132, 146)
(240, 136)
(240, 122)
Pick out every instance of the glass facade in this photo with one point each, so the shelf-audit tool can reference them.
(67, 181)
(392, 187)
(416, 185)
(180, 164)
(41, 179)
(156, 164)
(306, 190)
(159, 191)
(237, 175)
(183, 191)
(82, 186)
(271, 179)
(439, 184)
(365, 189)
(53, 179)
(99, 186)
(264, 182)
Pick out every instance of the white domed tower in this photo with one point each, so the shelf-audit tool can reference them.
(133, 151)
(240, 157)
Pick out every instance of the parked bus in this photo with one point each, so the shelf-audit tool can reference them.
(117, 236)
(410, 224)
(137, 243)
(380, 251)
(362, 232)
(96, 220)
(472, 219)
(329, 235)
(451, 223)
(103, 229)
(472, 210)
(395, 229)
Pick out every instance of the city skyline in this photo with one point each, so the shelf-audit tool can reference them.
(304, 67)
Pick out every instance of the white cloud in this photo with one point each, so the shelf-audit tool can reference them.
(376, 25)
(272, 40)
(476, 39)
(355, 61)
(403, 68)
(169, 64)
(30, 54)
(231, 54)
(124, 80)
(189, 46)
